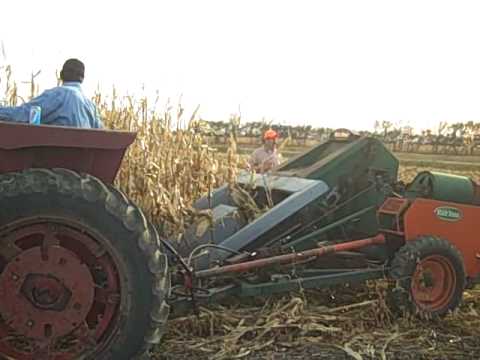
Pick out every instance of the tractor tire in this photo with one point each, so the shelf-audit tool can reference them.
(430, 276)
(82, 272)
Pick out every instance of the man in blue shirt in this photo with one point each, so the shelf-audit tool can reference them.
(64, 105)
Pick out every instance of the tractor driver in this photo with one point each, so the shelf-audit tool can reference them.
(266, 157)
(64, 105)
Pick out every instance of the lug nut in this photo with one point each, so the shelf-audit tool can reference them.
(15, 277)
(30, 323)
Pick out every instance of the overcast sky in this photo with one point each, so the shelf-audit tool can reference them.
(331, 63)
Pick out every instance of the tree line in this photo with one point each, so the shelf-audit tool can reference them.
(461, 138)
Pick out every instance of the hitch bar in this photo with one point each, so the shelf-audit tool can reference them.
(289, 258)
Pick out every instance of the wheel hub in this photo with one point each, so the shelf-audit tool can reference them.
(427, 280)
(53, 292)
(59, 290)
(46, 292)
(433, 283)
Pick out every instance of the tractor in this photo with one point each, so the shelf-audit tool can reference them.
(82, 275)
(85, 275)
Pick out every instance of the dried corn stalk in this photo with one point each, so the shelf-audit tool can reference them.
(169, 166)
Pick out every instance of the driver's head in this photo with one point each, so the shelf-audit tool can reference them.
(73, 70)
(269, 138)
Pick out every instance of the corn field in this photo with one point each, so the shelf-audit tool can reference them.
(168, 166)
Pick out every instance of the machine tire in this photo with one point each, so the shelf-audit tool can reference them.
(86, 207)
(415, 267)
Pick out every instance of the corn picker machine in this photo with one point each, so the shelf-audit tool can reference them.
(84, 274)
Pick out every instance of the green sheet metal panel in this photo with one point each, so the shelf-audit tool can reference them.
(334, 160)
(352, 166)
(443, 187)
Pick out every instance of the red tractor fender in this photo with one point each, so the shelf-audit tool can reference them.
(92, 151)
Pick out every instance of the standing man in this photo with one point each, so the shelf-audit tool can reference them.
(266, 157)
(65, 105)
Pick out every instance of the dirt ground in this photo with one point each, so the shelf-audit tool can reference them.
(341, 323)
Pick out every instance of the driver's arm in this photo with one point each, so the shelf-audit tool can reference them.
(48, 102)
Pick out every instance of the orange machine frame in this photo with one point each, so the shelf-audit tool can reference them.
(421, 219)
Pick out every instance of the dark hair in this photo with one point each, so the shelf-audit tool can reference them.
(73, 70)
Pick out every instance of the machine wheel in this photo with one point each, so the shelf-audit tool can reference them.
(82, 275)
(430, 276)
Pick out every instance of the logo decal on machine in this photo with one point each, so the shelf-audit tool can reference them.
(448, 213)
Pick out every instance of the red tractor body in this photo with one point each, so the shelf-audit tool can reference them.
(94, 152)
(81, 272)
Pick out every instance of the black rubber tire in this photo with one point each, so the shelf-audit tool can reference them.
(143, 269)
(404, 264)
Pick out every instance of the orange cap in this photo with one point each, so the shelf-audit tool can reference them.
(270, 135)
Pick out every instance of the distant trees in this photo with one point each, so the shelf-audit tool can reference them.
(457, 138)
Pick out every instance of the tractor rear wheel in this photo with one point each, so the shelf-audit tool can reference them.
(82, 275)
(430, 276)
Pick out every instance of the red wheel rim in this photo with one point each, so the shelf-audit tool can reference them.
(433, 283)
(60, 290)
